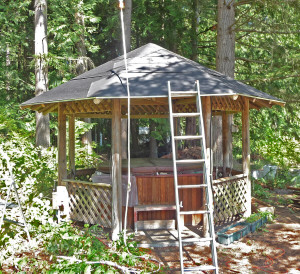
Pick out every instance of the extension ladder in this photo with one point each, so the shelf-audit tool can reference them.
(4, 204)
(206, 178)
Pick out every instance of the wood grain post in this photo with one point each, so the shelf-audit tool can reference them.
(62, 155)
(116, 227)
(72, 146)
(246, 153)
(206, 109)
(225, 142)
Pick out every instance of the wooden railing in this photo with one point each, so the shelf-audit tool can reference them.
(230, 198)
(90, 202)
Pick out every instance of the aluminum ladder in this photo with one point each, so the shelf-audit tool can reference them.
(206, 178)
(4, 204)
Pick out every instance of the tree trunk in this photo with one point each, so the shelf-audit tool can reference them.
(191, 121)
(134, 126)
(153, 144)
(41, 70)
(225, 60)
(7, 68)
(83, 64)
(127, 28)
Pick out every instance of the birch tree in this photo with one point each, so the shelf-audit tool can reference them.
(41, 70)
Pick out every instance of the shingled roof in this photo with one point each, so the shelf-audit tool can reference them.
(150, 67)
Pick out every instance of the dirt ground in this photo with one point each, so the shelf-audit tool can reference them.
(273, 249)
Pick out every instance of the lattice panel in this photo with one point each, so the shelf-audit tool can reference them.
(226, 103)
(90, 204)
(230, 198)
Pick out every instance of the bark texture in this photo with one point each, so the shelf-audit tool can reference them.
(41, 70)
(225, 60)
(84, 63)
(153, 144)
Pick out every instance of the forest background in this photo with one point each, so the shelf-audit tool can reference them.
(266, 57)
(87, 32)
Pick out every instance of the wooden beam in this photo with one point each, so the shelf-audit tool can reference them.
(72, 146)
(206, 110)
(246, 153)
(116, 227)
(226, 141)
(109, 116)
(62, 156)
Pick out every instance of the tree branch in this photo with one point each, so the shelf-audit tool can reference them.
(243, 3)
(252, 61)
(268, 32)
(271, 79)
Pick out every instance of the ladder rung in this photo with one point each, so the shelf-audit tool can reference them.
(187, 114)
(188, 137)
(182, 92)
(200, 268)
(194, 212)
(13, 222)
(196, 240)
(190, 161)
(192, 186)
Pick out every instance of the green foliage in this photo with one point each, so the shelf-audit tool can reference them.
(261, 192)
(260, 215)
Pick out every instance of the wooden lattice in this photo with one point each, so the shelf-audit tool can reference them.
(230, 197)
(90, 203)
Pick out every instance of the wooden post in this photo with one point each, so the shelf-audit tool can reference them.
(62, 156)
(206, 109)
(116, 170)
(72, 146)
(246, 153)
(225, 142)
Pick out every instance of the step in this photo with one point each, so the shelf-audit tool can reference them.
(8, 205)
(194, 212)
(13, 222)
(188, 137)
(187, 114)
(196, 240)
(190, 161)
(154, 207)
(183, 91)
(154, 224)
(199, 268)
(192, 186)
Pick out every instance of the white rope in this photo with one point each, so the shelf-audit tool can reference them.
(128, 118)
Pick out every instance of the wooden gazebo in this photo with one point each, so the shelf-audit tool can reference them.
(100, 93)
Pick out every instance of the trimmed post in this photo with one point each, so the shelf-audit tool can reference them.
(72, 146)
(206, 109)
(116, 170)
(246, 153)
(226, 142)
(62, 155)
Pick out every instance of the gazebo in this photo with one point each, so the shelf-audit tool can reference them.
(101, 93)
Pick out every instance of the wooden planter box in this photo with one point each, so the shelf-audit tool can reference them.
(227, 238)
(255, 225)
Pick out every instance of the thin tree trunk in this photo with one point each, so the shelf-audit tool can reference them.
(134, 126)
(83, 64)
(191, 121)
(225, 61)
(127, 28)
(41, 70)
(7, 67)
(153, 144)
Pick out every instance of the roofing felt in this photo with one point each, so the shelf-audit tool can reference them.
(150, 67)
